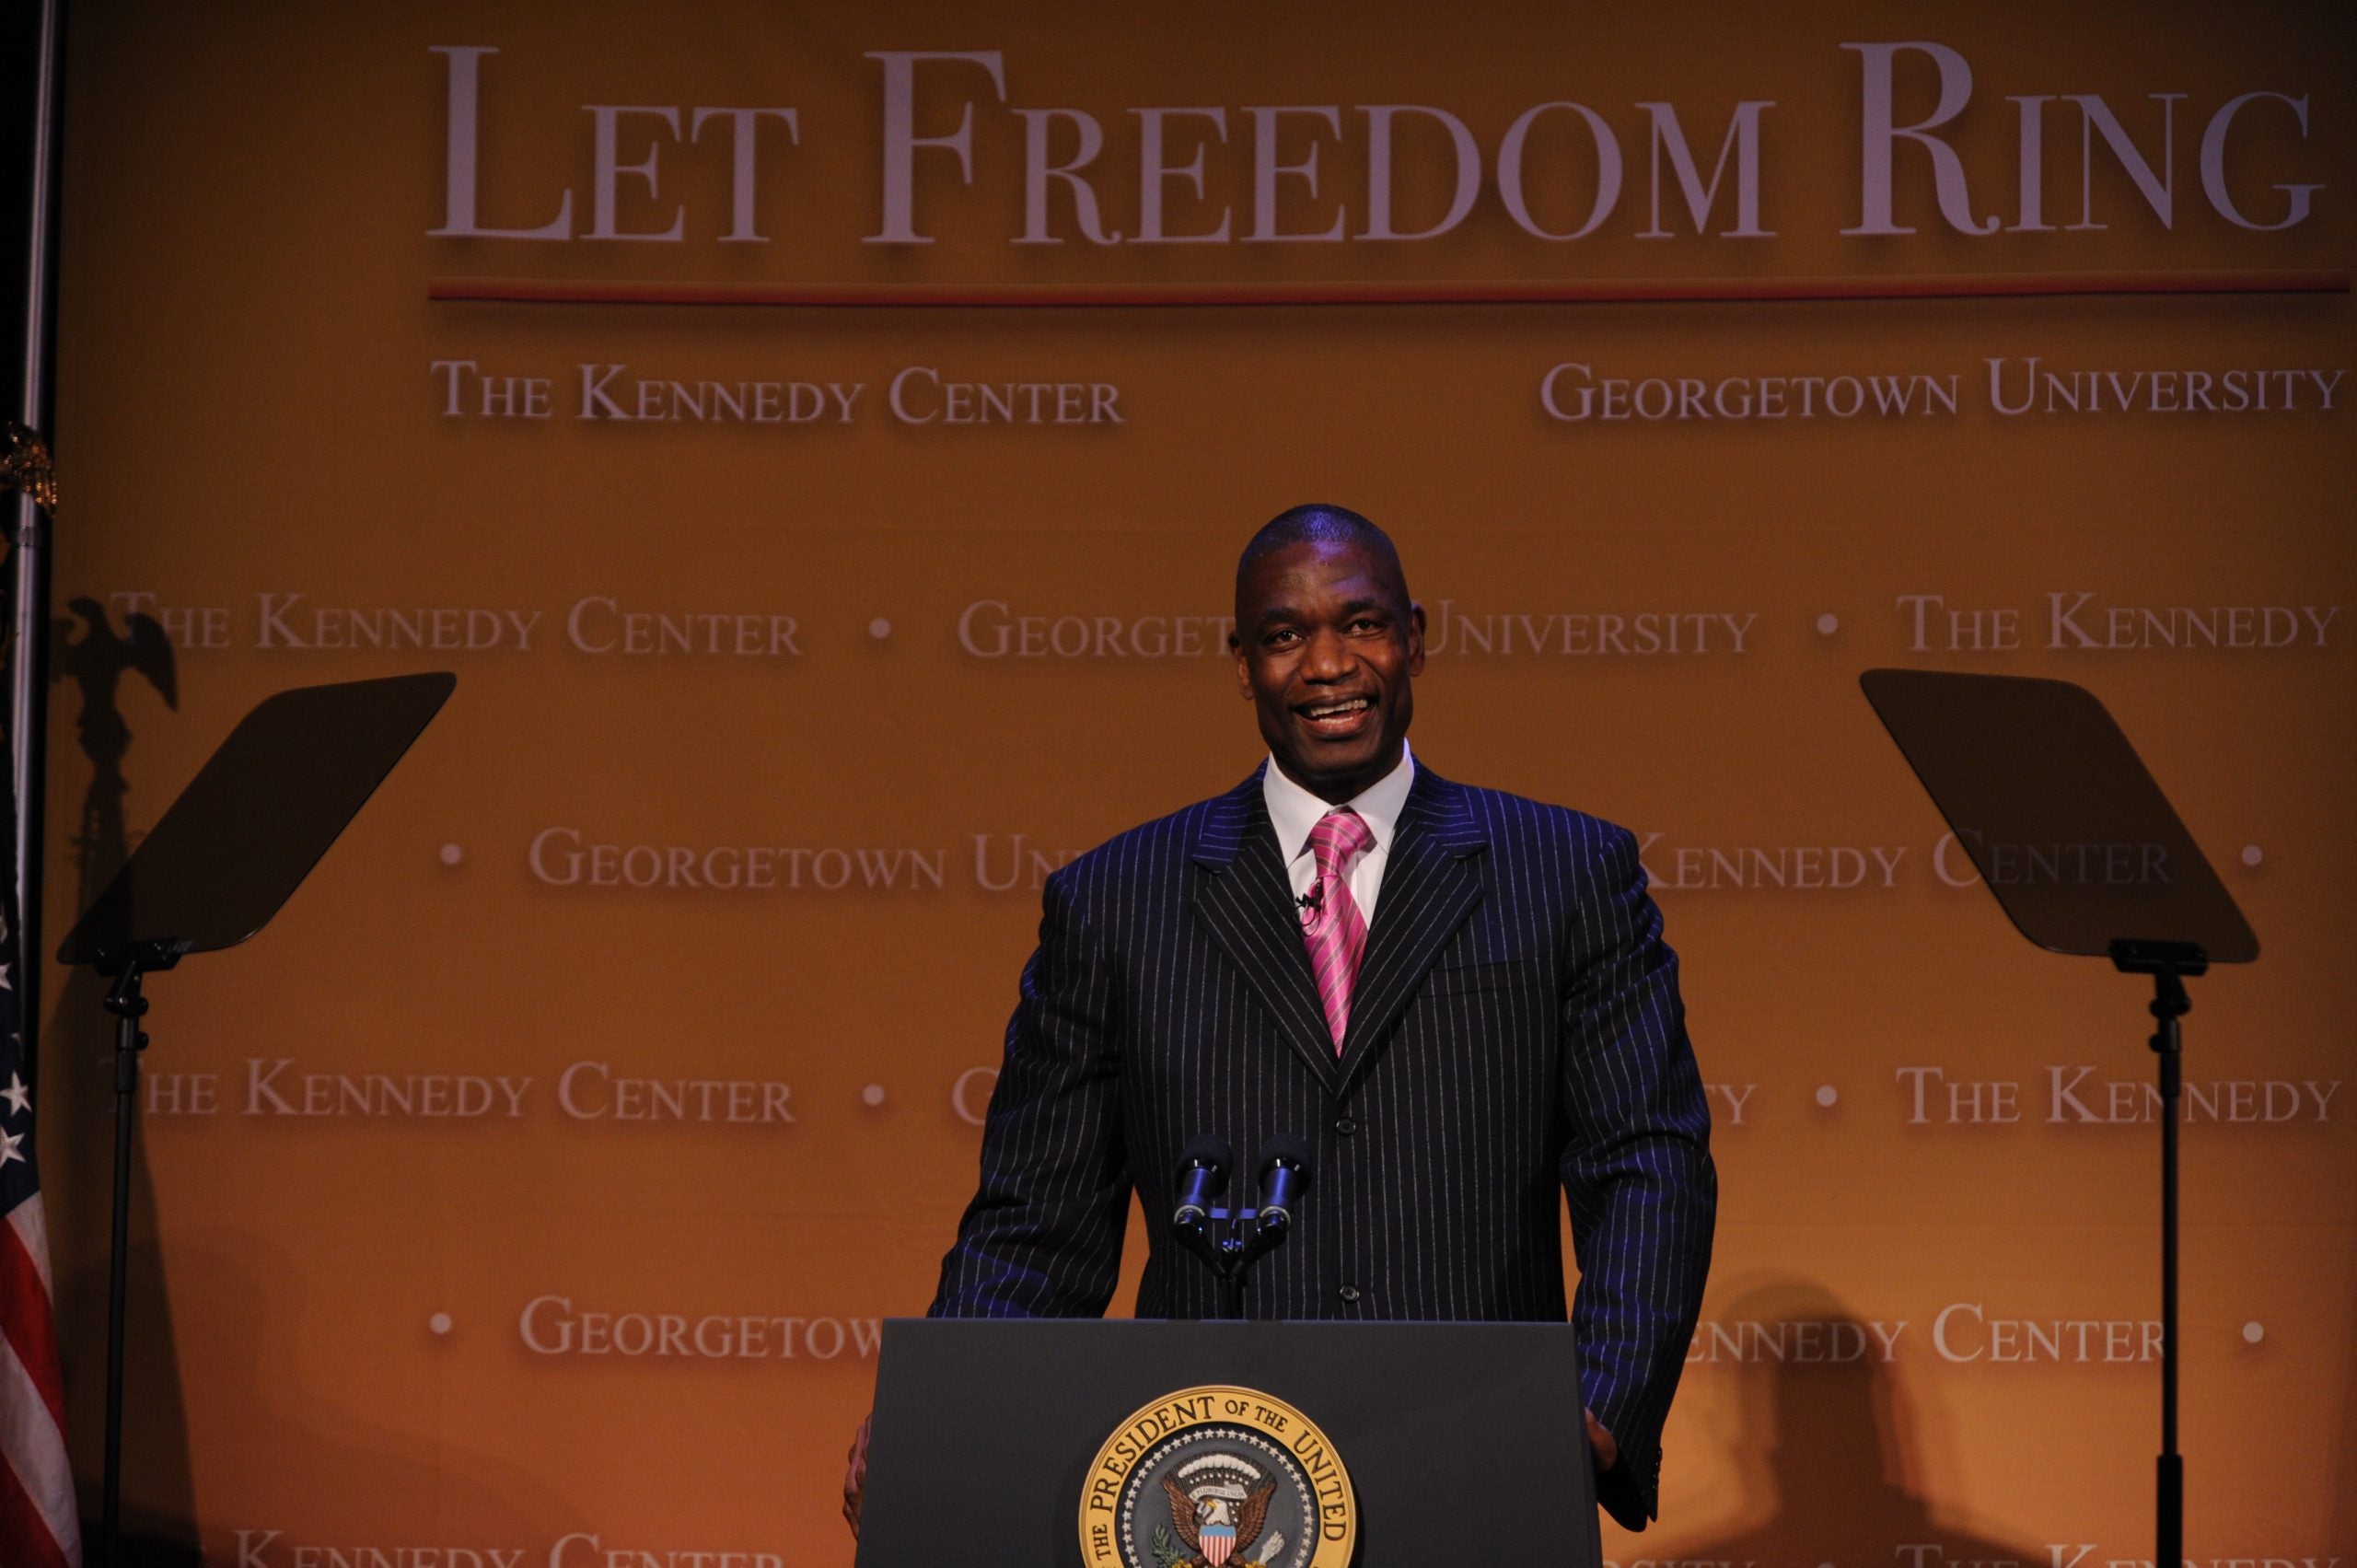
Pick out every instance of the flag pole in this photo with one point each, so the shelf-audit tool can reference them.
(28, 562)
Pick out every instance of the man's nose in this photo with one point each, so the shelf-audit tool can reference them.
(1327, 658)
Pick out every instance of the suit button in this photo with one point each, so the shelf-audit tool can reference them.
(1347, 1293)
(1346, 1126)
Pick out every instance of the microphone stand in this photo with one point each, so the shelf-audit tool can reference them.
(1222, 1250)
(1231, 1250)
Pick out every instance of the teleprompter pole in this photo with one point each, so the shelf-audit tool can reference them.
(2168, 963)
(127, 1004)
(2170, 1004)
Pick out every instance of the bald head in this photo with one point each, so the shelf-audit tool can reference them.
(1318, 523)
(1327, 645)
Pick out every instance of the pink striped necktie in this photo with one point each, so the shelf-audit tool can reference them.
(1332, 927)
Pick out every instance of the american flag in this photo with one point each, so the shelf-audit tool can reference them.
(38, 1528)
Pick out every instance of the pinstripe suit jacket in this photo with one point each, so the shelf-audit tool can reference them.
(1515, 1031)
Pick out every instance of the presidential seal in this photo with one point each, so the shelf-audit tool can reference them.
(1217, 1477)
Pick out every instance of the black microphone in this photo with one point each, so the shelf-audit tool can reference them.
(1202, 1175)
(1284, 1176)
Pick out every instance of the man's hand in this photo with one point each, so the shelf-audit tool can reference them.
(1607, 1451)
(855, 1470)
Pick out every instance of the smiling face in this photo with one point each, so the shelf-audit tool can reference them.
(1326, 643)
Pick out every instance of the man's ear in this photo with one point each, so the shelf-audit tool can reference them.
(1415, 639)
(1243, 666)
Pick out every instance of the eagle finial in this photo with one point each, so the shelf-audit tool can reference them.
(25, 465)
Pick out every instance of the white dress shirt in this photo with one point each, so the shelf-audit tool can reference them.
(1294, 811)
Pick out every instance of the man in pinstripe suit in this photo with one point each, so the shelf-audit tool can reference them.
(1509, 1027)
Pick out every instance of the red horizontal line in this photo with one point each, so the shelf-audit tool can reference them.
(1558, 291)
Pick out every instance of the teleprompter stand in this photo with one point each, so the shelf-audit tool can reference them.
(2086, 856)
(219, 865)
(1464, 1442)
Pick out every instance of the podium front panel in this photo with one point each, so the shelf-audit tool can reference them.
(1464, 1442)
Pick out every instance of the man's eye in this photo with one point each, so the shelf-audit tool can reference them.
(1276, 639)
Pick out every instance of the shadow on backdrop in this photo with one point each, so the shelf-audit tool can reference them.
(77, 1047)
(1831, 1454)
(245, 1303)
(95, 662)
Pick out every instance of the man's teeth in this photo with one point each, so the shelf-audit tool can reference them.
(1335, 710)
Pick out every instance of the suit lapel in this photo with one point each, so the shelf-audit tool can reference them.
(1244, 900)
(1431, 882)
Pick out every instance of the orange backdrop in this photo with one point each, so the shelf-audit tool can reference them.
(535, 1185)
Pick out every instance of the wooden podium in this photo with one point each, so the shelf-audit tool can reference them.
(1463, 1445)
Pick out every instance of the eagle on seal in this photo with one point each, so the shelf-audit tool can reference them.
(1230, 1526)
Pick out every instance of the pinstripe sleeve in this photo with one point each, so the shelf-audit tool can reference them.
(1043, 1238)
(1637, 1168)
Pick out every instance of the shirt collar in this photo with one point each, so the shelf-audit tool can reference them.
(1294, 811)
